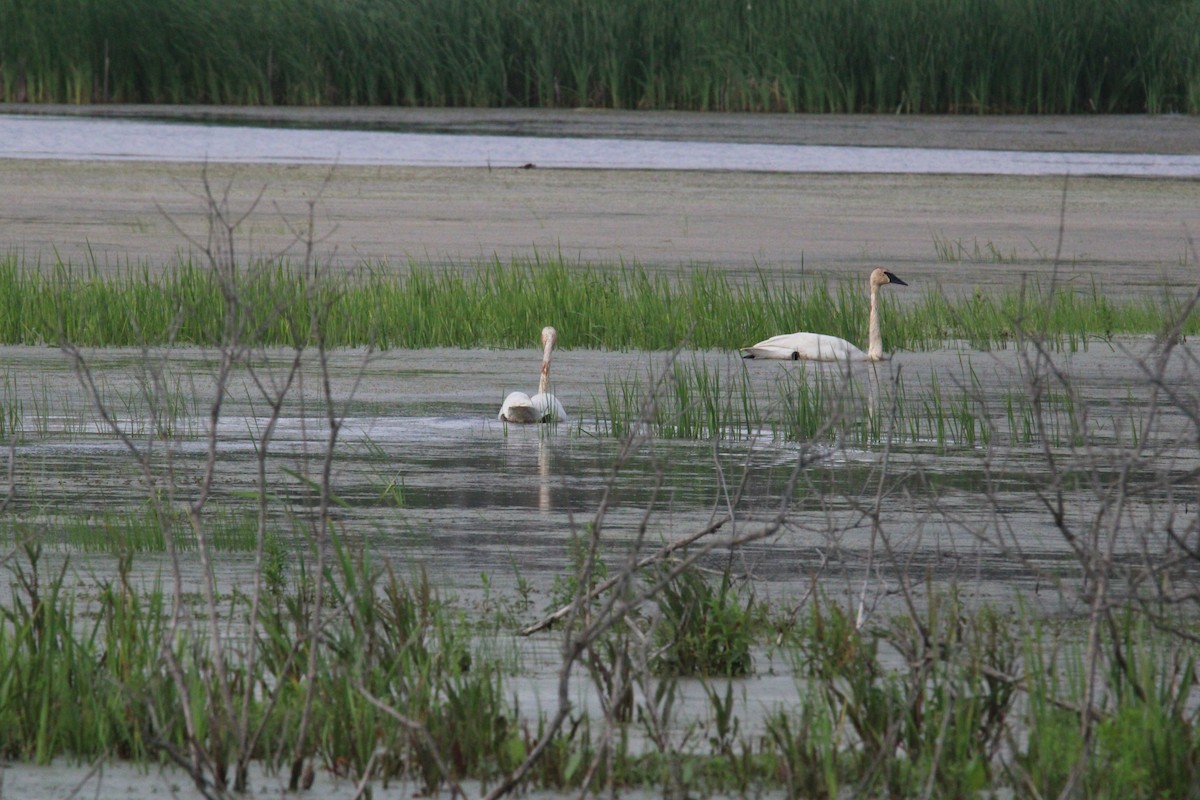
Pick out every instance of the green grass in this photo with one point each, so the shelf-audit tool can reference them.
(958, 699)
(130, 531)
(497, 304)
(990, 56)
(692, 399)
(705, 626)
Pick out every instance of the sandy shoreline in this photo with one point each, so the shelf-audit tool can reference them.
(1127, 234)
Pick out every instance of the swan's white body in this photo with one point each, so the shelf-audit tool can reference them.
(543, 406)
(823, 347)
(808, 346)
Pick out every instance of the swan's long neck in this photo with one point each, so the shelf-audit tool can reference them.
(874, 338)
(544, 381)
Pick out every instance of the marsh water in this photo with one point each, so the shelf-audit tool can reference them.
(429, 479)
(152, 140)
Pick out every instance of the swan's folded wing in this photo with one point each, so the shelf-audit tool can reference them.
(547, 408)
(774, 347)
(517, 408)
(804, 347)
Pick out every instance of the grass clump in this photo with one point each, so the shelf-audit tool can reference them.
(703, 629)
(692, 400)
(67, 691)
(937, 719)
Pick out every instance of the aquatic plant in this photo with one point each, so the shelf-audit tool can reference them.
(892, 56)
(697, 399)
(495, 304)
(704, 628)
(127, 530)
(688, 401)
(83, 679)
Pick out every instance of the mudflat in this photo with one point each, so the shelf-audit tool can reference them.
(957, 233)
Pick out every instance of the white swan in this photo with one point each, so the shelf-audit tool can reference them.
(543, 406)
(823, 347)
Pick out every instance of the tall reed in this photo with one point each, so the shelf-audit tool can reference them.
(770, 55)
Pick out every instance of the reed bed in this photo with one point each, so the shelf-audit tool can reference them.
(497, 304)
(920, 56)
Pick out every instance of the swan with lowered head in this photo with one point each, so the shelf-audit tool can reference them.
(823, 347)
(543, 406)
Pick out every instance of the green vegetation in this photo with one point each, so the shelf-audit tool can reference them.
(953, 251)
(693, 399)
(981, 56)
(917, 701)
(685, 402)
(127, 531)
(84, 676)
(496, 304)
(704, 629)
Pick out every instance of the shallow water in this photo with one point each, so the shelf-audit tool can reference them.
(433, 483)
(73, 138)
(428, 477)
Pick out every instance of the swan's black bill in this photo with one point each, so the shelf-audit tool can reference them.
(891, 276)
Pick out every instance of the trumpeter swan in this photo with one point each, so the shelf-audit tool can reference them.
(543, 406)
(823, 347)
